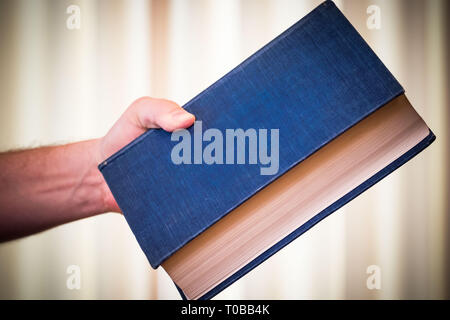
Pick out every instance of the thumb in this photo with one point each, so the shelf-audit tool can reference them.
(160, 113)
(143, 114)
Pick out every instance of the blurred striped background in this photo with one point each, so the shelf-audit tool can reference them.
(59, 85)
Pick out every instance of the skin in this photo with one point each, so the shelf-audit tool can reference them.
(44, 187)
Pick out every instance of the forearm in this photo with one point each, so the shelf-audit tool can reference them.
(48, 186)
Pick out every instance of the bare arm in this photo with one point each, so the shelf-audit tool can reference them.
(45, 187)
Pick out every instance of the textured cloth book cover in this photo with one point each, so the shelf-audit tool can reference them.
(313, 82)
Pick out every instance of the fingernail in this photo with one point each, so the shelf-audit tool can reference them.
(182, 116)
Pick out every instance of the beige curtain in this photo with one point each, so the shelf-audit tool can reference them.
(59, 85)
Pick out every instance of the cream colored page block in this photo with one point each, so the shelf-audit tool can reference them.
(296, 197)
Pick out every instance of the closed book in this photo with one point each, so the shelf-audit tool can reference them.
(287, 137)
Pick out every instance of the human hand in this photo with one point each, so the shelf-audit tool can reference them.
(143, 114)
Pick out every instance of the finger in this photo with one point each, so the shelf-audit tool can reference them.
(160, 113)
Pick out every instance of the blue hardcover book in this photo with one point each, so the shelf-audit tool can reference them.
(287, 137)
